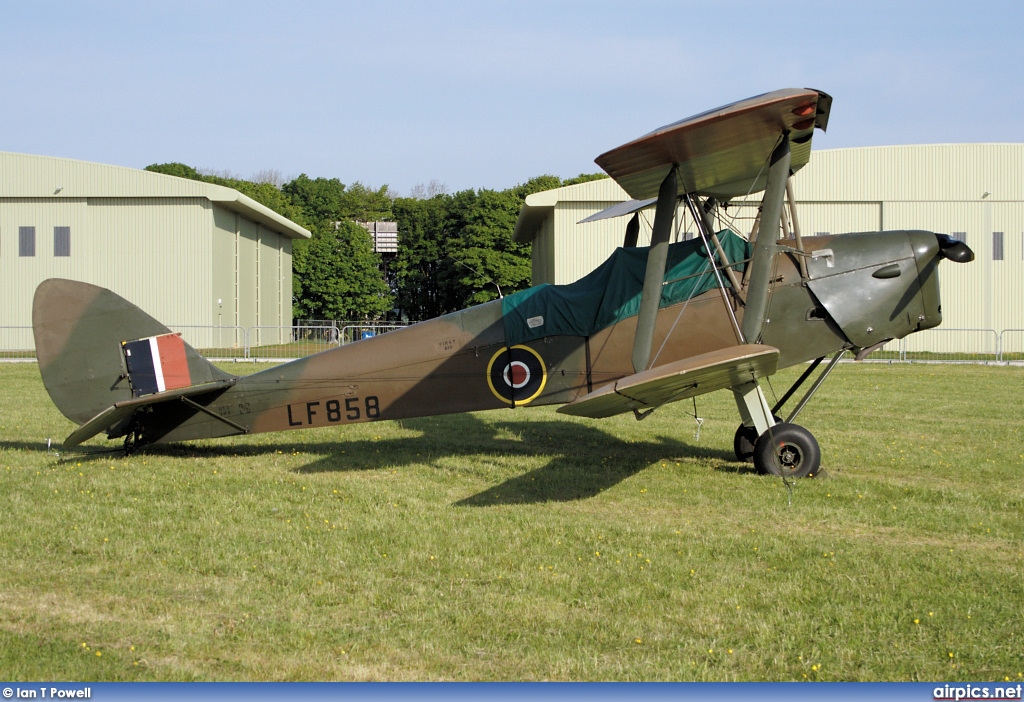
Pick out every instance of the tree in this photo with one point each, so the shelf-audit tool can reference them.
(338, 277)
(417, 270)
(329, 200)
(479, 229)
(457, 250)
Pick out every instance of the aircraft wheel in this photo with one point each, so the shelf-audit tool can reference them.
(743, 443)
(787, 450)
(744, 440)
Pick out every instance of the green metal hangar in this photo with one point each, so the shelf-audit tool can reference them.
(194, 255)
(974, 192)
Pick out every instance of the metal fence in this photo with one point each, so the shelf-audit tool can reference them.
(952, 345)
(1011, 345)
(357, 332)
(233, 343)
(283, 343)
(290, 342)
(17, 343)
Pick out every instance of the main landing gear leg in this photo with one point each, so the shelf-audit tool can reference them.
(775, 447)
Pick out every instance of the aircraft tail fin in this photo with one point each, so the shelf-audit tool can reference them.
(96, 350)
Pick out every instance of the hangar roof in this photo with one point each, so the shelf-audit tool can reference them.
(538, 206)
(30, 176)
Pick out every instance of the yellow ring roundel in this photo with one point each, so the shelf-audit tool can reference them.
(516, 375)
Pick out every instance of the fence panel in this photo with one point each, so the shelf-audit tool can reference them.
(17, 343)
(1011, 345)
(290, 342)
(213, 341)
(364, 330)
(951, 346)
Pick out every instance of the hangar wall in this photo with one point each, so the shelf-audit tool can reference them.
(191, 254)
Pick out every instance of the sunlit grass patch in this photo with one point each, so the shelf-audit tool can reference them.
(523, 545)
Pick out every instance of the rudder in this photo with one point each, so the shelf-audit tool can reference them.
(85, 336)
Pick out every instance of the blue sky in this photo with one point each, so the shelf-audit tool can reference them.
(482, 94)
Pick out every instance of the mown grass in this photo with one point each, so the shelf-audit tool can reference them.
(527, 546)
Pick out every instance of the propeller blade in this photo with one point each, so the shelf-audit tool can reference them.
(954, 249)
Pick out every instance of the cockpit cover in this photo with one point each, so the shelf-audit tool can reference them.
(611, 292)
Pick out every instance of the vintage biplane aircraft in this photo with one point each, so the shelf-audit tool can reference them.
(652, 325)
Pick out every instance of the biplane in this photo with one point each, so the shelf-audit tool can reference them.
(652, 325)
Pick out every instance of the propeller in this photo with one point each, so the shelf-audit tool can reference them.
(954, 249)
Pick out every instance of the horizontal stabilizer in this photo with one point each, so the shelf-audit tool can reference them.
(109, 419)
(689, 377)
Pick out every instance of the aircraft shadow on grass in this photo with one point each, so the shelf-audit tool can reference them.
(583, 459)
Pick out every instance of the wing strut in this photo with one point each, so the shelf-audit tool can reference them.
(766, 245)
(703, 228)
(654, 277)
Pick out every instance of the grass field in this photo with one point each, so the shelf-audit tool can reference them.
(523, 545)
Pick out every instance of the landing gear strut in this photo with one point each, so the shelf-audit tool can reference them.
(784, 449)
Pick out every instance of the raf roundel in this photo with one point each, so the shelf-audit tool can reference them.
(516, 375)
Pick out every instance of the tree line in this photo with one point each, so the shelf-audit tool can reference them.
(454, 250)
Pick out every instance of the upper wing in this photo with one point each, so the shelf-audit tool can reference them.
(677, 381)
(722, 152)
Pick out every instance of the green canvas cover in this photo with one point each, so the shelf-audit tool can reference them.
(611, 292)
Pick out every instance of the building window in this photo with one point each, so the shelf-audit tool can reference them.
(26, 241)
(997, 246)
(62, 241)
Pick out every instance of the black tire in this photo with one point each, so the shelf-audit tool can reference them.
(744, 440)
(787, 450)
(743, 443)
